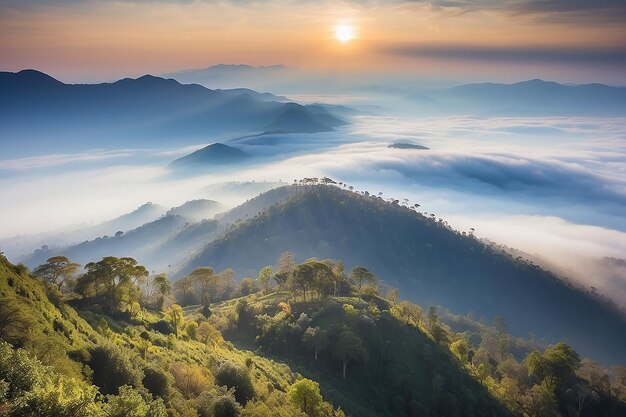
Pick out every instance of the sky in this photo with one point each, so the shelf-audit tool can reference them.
(574, 41)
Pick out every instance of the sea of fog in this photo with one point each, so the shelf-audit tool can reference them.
(553, 187)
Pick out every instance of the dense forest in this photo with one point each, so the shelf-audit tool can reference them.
(296, 339)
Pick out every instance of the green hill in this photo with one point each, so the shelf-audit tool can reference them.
(56, 362)
(428, 261)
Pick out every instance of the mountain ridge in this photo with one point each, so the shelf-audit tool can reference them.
(445, 268)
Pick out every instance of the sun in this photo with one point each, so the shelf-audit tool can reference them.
(344, 33)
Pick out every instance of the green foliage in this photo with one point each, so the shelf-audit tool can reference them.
(130, 404)
(113, 282)
(156, 381)
(226, 406)
(235, 377)
(112, 368)
(305, 394)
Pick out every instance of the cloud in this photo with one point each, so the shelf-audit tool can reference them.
(613, 56)
(590, 11)
(46, 161)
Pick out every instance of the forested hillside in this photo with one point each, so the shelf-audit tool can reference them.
(116, 341)
(427, 260)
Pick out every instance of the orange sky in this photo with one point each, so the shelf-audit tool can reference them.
(103, 40)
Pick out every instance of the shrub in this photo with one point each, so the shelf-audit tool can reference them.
(156, 381)
(226, 406)
(232, 376)
(113, 368)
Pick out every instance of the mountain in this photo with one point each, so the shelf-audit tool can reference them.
(37, 110)
(19, 245)
(537, 97)
(215, 154)
(196, 210)
(233, 75)
(295, 118)
(429, 262)
(168, 240)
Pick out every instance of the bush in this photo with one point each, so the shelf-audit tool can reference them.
(226, 406)
(129, 403)
(113, 368)
(156, 381)
(232, 376)
(163, 326)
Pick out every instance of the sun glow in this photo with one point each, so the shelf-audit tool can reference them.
(344, 33)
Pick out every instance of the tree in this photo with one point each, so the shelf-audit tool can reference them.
(206, 280)
(226, 406)
(460, 348)
(392, 295)
(233, 376)
(129, 403)
(347, 348)
(312, 275)
(264, 277)
(14, 322)
(315, 338)
(189, 379)
(305, 394)
(208, 334)
(184, 285)
(285, 263)
(113, 368)
(114, 279)
(557, 365)
(227, 277)
(247, 286)
(162, 287)
(432, 317)
(410, 312)
(175, 316)
(56, 271)
(540, 402)
(361, 276)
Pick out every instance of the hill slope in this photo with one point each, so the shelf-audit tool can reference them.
(430, 263)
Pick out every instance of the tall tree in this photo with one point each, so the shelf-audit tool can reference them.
(175, 316)
(162, 288)
(315, 338)
(305, 394)
(56, 271)
(206, 280)
(347, 348)
(264, 277)
(361, 276)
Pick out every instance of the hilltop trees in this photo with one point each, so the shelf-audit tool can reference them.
(361, 276)
(114, 281)
(56, 271)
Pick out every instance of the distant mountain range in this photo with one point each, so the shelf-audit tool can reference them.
(526, 98)
(37, 111)
(230, 75)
